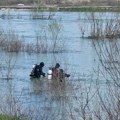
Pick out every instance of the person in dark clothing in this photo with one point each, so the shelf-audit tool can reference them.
(41, 65)
(63, 75)
(37, 71)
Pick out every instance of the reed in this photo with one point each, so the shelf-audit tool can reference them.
(10, 42)
(101, 27)
(72, 99)
(55, 29)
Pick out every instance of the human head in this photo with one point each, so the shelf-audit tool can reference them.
(42, 64)
(57, 65)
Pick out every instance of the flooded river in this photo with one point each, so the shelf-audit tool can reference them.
(78, 58)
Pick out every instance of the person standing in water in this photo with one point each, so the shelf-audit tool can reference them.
(38, 71)
(56, 71)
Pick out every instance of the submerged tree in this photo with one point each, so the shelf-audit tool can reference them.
(108, 52)
(55, 29)
(103, 25)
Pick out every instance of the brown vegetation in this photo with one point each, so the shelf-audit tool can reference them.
(60, 2)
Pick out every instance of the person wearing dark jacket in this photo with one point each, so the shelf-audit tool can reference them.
(38, 71)
(41, 65)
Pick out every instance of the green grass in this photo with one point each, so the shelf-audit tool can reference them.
(7, 117)
(91, 9)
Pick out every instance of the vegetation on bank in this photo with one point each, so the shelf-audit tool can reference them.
(61, 5)
(68, 8)
(91, 9)
(7, 117)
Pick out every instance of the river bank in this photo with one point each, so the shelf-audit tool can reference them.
(64, 8)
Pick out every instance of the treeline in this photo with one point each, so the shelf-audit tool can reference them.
(29, 2)
(62, 2)
(13, 2)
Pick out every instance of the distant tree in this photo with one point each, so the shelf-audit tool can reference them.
(1, 2)
(58, 1)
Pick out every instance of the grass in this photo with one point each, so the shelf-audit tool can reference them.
(91, 9)
(7, 117)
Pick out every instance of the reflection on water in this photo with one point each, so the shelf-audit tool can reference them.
(54, 96)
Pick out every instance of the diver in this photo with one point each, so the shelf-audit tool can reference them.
(37, 71)
(58, 73)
